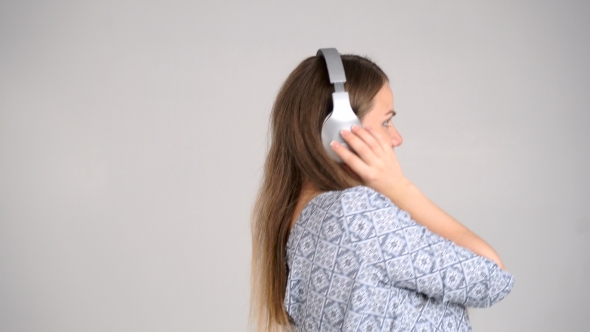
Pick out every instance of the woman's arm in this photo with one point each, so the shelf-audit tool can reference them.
(376, 164)
(409, 198)
(411, 256)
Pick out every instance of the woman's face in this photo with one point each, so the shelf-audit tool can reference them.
(381, 115)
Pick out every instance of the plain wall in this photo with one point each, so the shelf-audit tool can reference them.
(133, 134)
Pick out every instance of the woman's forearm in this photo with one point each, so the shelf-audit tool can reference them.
(409, 198)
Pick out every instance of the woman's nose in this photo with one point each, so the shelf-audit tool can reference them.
(396, 138)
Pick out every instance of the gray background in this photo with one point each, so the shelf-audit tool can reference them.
(133, 133)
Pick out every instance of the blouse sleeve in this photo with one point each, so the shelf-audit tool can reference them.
(415, 258)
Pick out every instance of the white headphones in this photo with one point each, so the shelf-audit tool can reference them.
(342, 115)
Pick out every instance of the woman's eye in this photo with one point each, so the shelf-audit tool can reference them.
(386, 123)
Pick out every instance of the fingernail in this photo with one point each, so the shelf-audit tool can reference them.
(368, 128)
(344, 132)
(335, 144)
(355, 128)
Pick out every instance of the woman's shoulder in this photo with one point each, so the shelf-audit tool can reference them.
(351, 192)
(351, 200)
(359, 198)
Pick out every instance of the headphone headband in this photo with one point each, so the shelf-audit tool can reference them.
(335, 67)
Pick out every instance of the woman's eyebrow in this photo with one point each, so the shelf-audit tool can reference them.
(392, 112)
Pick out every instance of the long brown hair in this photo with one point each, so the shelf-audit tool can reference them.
(296, 155)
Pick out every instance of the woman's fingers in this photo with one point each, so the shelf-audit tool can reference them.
(368, 155)
(383, 139)
(352, 160)
(371, 157)
(367, 136)
(361, 142)
(371, 145)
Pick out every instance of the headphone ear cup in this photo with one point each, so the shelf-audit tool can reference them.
(341, 117)
(331, 132)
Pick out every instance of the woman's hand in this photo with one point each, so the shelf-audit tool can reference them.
(375, 162)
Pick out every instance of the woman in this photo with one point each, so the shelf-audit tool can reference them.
(356, 246)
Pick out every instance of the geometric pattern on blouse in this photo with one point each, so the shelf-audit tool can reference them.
(359, 263)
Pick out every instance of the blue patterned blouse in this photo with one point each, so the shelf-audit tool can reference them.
(359, 263)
